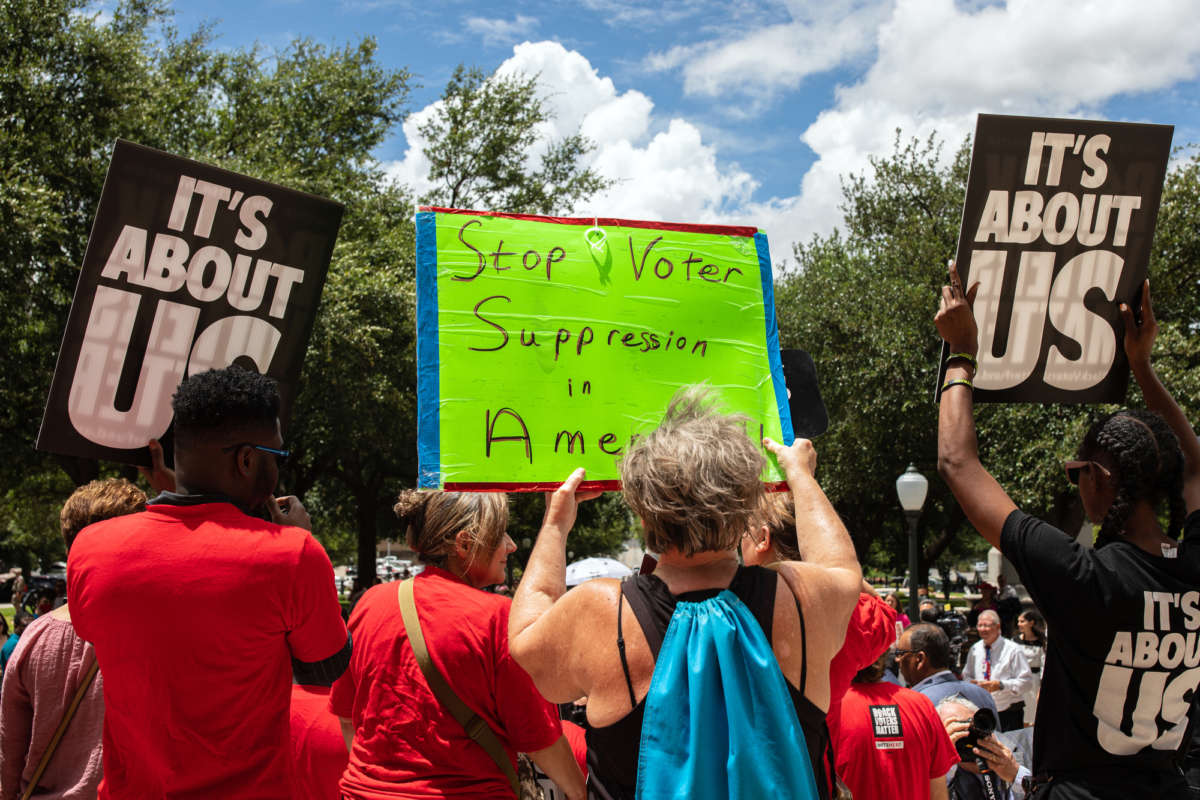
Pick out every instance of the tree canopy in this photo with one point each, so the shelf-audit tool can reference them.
(308, 116)
(861, 300)
(480, 142)
(311, 116)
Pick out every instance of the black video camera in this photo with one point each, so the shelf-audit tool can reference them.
(983, 725)
(956, 627)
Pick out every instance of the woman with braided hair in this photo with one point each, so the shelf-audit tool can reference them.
(1121, 672)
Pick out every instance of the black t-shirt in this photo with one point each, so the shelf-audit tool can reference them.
(1123, 660)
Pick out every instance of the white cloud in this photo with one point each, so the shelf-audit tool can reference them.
(935, 65)
(668, 13)
(776, 56)
(663, 169)
(939, 65)
(1062, 54)
(501, 31)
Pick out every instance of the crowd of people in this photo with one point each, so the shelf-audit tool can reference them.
(203, 651)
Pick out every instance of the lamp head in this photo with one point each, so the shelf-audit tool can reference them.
(911, 487)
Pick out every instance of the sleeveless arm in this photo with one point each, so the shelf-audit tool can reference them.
(545, 618)
(829, 578)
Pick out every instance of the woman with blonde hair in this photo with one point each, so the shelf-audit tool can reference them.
(695, 483)
(404, 742)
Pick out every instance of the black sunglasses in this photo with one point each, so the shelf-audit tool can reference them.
(1073, 469)
(280, 455)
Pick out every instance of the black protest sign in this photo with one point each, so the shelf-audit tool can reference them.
(1056, 228)
(188, 268)
(809, 418)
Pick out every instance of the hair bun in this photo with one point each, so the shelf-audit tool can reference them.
(411, 503)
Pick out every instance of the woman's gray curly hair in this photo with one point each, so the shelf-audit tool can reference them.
(695, 481)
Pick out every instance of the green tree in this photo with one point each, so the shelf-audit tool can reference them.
(309, 117)
(68, 86)
(862, 300)
(480, 138)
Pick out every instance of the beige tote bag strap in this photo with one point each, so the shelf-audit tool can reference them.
(474, 725)
(62, 728)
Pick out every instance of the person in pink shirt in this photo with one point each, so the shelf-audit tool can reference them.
(47, 669)
(894, 602)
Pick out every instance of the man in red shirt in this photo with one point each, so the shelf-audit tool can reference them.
(199, 612)
(890, 742)
(317, 744)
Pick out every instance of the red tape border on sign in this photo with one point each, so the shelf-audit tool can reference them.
(728, 230)
(586, 486)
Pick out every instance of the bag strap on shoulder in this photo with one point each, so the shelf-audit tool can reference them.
(475, 726)
(88, 677)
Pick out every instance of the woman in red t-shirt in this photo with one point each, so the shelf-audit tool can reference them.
(403, 742)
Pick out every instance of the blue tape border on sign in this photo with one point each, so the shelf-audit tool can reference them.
(429, 430)
(768, 290)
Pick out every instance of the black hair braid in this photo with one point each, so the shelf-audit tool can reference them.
(1170, 473)
(1149, 466)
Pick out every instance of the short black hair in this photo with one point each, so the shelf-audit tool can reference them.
(933, 642)
(224, 399)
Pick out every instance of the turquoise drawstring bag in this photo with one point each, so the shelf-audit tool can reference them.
(719, 722)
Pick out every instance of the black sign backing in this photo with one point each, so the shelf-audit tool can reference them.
(188, 267)
(1056, 227)
(809, 418)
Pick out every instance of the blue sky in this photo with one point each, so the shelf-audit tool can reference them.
(747, 111)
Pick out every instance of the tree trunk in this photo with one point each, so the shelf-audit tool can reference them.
(367, 535)
(933, 551)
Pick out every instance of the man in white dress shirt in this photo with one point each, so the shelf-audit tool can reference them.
(999, 665)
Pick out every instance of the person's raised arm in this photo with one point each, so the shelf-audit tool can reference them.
(1139, 342)
(821, 538)
(160, 477)
(537, 639)
(983, 500)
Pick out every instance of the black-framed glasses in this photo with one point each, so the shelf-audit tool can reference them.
(280, 455)
(898, 652)
(1073, 469)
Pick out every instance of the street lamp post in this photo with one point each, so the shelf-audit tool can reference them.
(911, 487)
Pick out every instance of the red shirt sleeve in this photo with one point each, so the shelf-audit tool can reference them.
(530, 721)
(315, 627)
(872, 630)
(341, 694)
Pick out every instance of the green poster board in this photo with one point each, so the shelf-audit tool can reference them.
(546, 344)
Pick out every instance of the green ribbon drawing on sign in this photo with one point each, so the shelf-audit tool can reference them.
(546, 345)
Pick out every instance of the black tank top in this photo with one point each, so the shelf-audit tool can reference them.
(612, 751)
